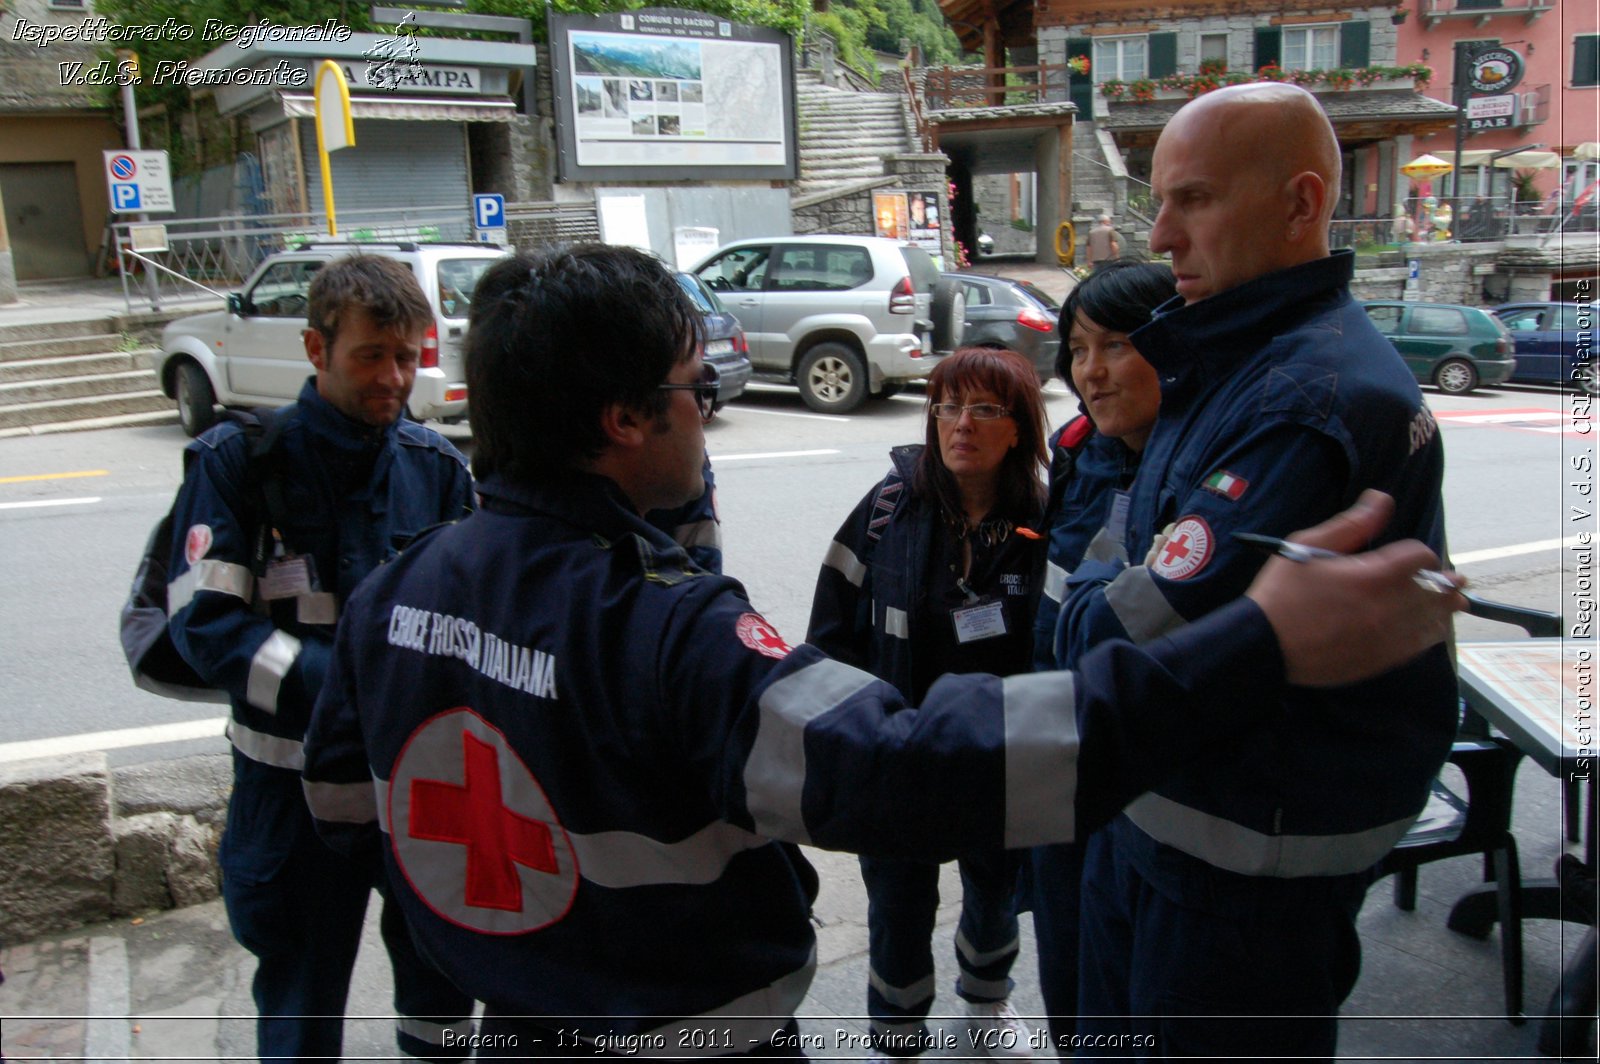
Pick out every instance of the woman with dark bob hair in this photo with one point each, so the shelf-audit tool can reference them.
(1093, 459)
(938, 570)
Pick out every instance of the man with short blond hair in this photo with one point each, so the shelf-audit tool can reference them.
(1219, 908)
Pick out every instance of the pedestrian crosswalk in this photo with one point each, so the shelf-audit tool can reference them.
(1548, 422)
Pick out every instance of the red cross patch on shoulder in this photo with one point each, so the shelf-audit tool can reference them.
(757, 633)
(197, 544)
(1186, 551)
(473, 831)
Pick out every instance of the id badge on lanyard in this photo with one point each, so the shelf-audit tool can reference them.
(984, 619)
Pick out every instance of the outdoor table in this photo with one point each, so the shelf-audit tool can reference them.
(1530, 690)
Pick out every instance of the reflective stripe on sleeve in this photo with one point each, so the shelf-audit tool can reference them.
(271, 664)
(1105, 547)
(209, 574)
(775, 772)
(705, 533)
(627, 859)
(1231, 846)
(844, 559)
(1143, 610)
(896, 623)
(380, 787)
(342, 803)
(1055, 582)
(740, 1025)
(267, 749)
(1041, 728)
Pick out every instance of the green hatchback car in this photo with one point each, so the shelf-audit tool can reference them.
(1454, 348)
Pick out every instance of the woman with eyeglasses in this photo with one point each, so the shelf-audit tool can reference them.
(1093, 459)
(937, 571)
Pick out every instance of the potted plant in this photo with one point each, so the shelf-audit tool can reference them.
(1398, 15)
(1143, 90)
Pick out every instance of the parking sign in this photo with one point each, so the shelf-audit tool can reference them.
(138, 181)
(489, 211)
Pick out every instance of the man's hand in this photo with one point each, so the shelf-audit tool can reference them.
(1342, 620)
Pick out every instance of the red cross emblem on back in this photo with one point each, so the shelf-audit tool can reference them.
(497, 839)
(473, 832)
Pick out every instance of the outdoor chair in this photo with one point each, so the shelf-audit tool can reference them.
(1477, 822)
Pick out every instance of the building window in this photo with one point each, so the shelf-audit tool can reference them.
(1119, 59)
(1586, 60)
(75, 5)
(1310, 47)
(1213, 46)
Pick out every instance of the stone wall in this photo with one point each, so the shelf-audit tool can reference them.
(83, 844)
(852, 212)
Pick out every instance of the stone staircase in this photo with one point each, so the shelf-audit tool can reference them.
(1093, 194)
(75, 374)
(845, 135)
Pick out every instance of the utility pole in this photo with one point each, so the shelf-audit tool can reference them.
(127, 75)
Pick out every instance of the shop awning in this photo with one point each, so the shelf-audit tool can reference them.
(1522, 160)
(411, 110)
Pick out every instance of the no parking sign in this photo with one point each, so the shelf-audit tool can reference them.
(138, 181)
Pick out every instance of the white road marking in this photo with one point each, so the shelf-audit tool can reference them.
(769, 454)
(109, 1035)
(49, 502)
(782, 413)
(112, 740)
(1492, 553)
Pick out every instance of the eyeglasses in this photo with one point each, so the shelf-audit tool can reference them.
(705, 390)
(979, 411)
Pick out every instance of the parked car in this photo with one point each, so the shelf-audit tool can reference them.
(1546, 338)
(725, 346)
(1001, 312)
(1451, 347)
(841, 317)
(251, 353)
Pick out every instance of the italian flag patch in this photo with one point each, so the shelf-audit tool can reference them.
(1226, 484)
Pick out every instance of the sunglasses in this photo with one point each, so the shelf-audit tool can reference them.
(705, 390)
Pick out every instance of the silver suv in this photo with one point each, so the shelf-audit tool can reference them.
(842, 317)
(251, 354)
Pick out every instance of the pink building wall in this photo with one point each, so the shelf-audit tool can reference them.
(1546, 44)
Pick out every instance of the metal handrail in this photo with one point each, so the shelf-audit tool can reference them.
(155, 300)
(924, 130)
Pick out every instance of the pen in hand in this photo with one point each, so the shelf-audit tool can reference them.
(1299, 552)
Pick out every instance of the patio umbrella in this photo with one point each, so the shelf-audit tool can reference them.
(1588, 151)
(1425, 166)
(1530, 160)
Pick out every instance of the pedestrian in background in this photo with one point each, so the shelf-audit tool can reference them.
(1102, 244)
(937, 571)
(274, 546)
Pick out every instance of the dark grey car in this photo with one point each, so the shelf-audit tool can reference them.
(1002, 312)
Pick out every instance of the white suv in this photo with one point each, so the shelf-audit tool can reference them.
(251, 354)
(842, 317)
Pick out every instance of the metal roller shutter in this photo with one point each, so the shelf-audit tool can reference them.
(393, 164)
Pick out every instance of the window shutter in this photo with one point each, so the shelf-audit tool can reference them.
(1269, 45)
(1163, 54)
(1586, 60)
(1355, 44)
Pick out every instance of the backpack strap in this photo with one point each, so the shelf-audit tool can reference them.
(1064, 449)
(890, 491)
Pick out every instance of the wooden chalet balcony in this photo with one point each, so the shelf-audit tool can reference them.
(950, 87)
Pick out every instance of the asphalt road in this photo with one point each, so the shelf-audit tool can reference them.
(75, 510)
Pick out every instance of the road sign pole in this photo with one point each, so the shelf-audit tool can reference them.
(128, 62)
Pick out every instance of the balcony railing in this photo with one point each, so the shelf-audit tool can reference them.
(995, 86)
(1481, 11)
